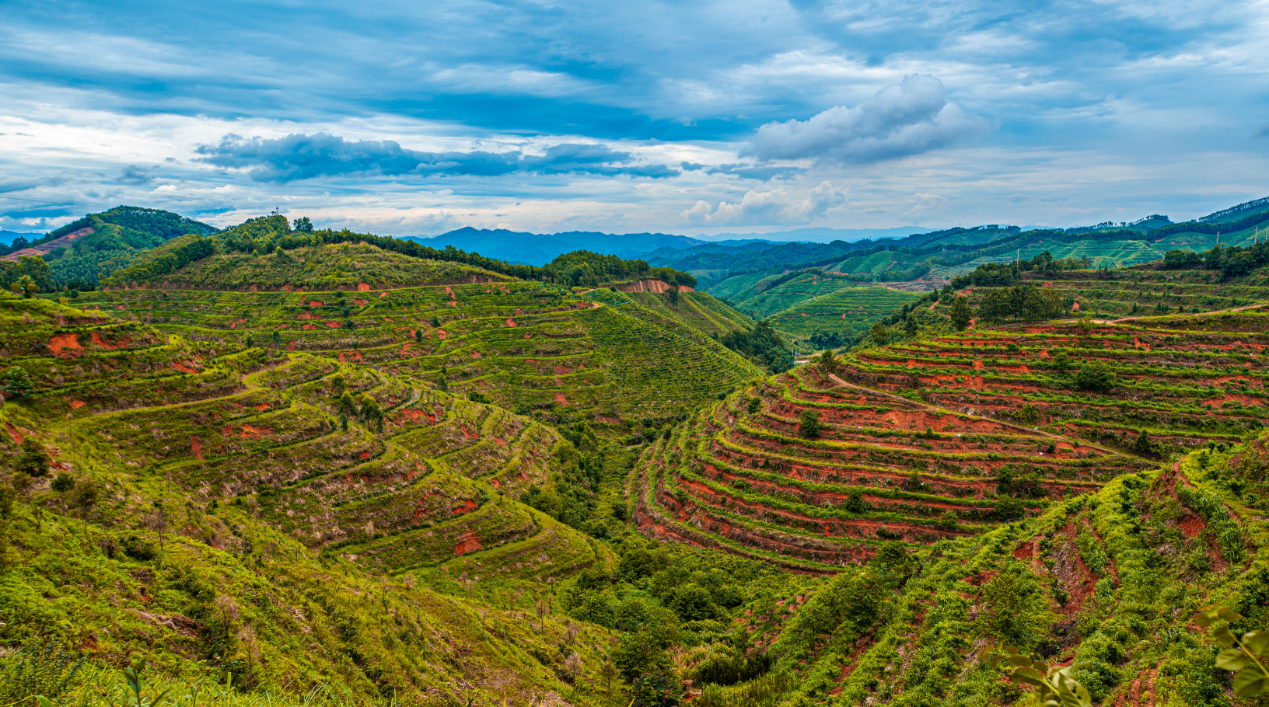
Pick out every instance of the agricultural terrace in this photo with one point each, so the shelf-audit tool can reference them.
(332, 479)
(849, 312)
(1145, 386)
(812, 473)
(339, 456)
(528, 347)
(1144, 291)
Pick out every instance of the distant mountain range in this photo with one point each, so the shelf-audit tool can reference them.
(540, 249)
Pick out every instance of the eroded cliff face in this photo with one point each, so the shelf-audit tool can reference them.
(651, 286)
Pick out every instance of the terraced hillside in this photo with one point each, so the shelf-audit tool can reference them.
(848, 312)
(1107, 583)
(529, 347)
(1182, 381)
(697, 310)
(238, 506)
(746, 474)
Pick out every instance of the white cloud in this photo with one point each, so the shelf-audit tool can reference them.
(926, 205)
(758, 208)
(909, 118)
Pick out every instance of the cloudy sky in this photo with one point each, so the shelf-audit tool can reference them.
(693, 117)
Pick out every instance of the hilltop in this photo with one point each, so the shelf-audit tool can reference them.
(88, 249)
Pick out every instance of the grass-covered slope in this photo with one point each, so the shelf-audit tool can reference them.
(848, 312)
(269, 515)
(529, 347)
(698, 310)
(343, 266)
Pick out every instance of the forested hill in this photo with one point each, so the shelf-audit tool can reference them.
(87, 249)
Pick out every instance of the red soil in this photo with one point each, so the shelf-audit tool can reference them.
(467, 543)
(98, 341)
(309, 327)
(315, 303)
(333, 325)
(196, 446)
(559, 398)
(184, 369)
(361, 302)
(562, 370)
(61, 342)
(77, 404)
(363, 287)
(511, 323)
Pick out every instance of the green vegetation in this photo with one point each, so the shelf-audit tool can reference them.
(298, 472)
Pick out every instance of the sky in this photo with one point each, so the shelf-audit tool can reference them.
(753, 116)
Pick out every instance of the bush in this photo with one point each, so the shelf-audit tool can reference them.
(809, 424)
(138, 548)
(1097, 377)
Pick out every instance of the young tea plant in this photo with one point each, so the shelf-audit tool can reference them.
(1248, 655)
(1054, 686)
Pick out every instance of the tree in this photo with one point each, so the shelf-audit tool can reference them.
(15, 383)
(33, 463)
(754, 405)
(25, 287)
(1143, 446)
(62, 484)
(809, 424)
(303, 225)
(347, 406)
(828, 363)
(910, 326)
(370, 413)
(960, 313)
(674, 295)
(880, 334)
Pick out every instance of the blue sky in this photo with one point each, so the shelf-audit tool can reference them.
(417, 118)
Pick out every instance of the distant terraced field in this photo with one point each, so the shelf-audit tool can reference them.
(882, 468)
(1184, 380)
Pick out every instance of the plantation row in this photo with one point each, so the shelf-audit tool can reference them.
(811, 472)
(525, 346)
(1146, 386)
(372, 465)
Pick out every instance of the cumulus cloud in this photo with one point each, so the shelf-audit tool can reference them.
(909, 118)
(758, 208)
(297, 156)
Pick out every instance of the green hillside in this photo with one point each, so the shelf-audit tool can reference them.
(698, 310)
(848, 312)
(88, 249)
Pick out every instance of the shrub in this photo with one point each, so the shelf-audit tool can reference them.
(15, 382)
(1096, 376)
(809, 424)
